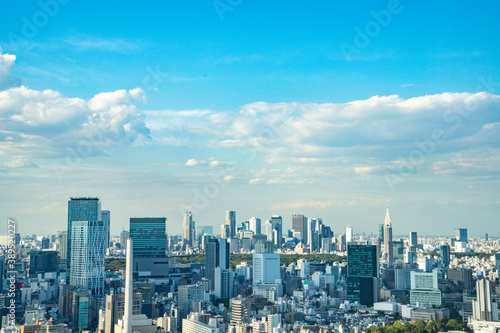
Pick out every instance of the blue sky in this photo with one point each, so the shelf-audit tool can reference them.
(252, 106)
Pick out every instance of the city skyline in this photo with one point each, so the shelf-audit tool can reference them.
(336, 109)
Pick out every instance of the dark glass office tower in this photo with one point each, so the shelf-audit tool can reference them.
(150, 236)
(216, 255)
(362, 274)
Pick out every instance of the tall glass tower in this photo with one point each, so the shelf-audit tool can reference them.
(87, 255)
(81, 209)
(362, 274)
(150, 236)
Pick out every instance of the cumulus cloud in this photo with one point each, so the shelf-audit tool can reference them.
(47, 123)
(6, 66)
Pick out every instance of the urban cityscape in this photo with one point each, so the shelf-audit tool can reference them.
(253, 276)
(237, 166)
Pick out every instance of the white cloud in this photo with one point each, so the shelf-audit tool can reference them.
(47, 123)
(195, 162)
(6, 66)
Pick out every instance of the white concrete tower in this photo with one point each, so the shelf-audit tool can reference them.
(129, 277)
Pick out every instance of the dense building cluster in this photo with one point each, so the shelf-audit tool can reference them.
(60, 283)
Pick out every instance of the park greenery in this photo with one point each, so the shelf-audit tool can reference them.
(117, 264)
(419, 326)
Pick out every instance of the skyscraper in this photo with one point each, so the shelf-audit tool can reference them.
(483, 308)
(348, 234)
(461, 235)
(362, 274)
(87, 255)
(277, 223)
(240, 310)
(80, 209)
(106, 218)
(412, 240)
(299, 224)
(255, 225)
(268, 230)
(216, 255)
(187, 230)
(388, 246)
(150, 236)
(445, 255)
(266, 267)
(231, 222)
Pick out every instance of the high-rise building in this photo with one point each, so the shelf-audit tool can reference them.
(381, 233)
(87, 255)
(80, 209)
(424, 289)
(124, 235)
(445, 255)
(240, 310)
(277, 223)
(348, 234)
(106, 218)
(299, 224)
(231, 222)
(204, 230)
(224, 231)
(42, 262)
(115, 309)
(388, 246)
(268, 230)
(223, 283)
(149, 235)
(255, 225)
(398, 251)
(216, 255)
(187, 230)
(63, 249)
(266, 267)
(187, 294)
(483, 308)
(461, 235)
(82, 309)
(412, 240)
(362, 274)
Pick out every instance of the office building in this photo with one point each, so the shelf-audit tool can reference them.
(362, 274)
(223, 283)
(115, 309)
(187, 230)
(277, 223)
(124, 235)
(268, 230)
(348, 234)
(483, 308)
(266, 268)
(299, 224)
(82, 310)
(63, 249)
(461, 235)
(204, 230)
(255, 225)
(462, 277)
(398, 250)
(413, 240)
(191, 325)
(216, 255)
(80, 209)
(424, 289)
(42, 262)
(87, 255)
(240, 310)
(106, 218)
(445, 255)
(231, 222)
(149, 235)
(388, 252)
(186, 295)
